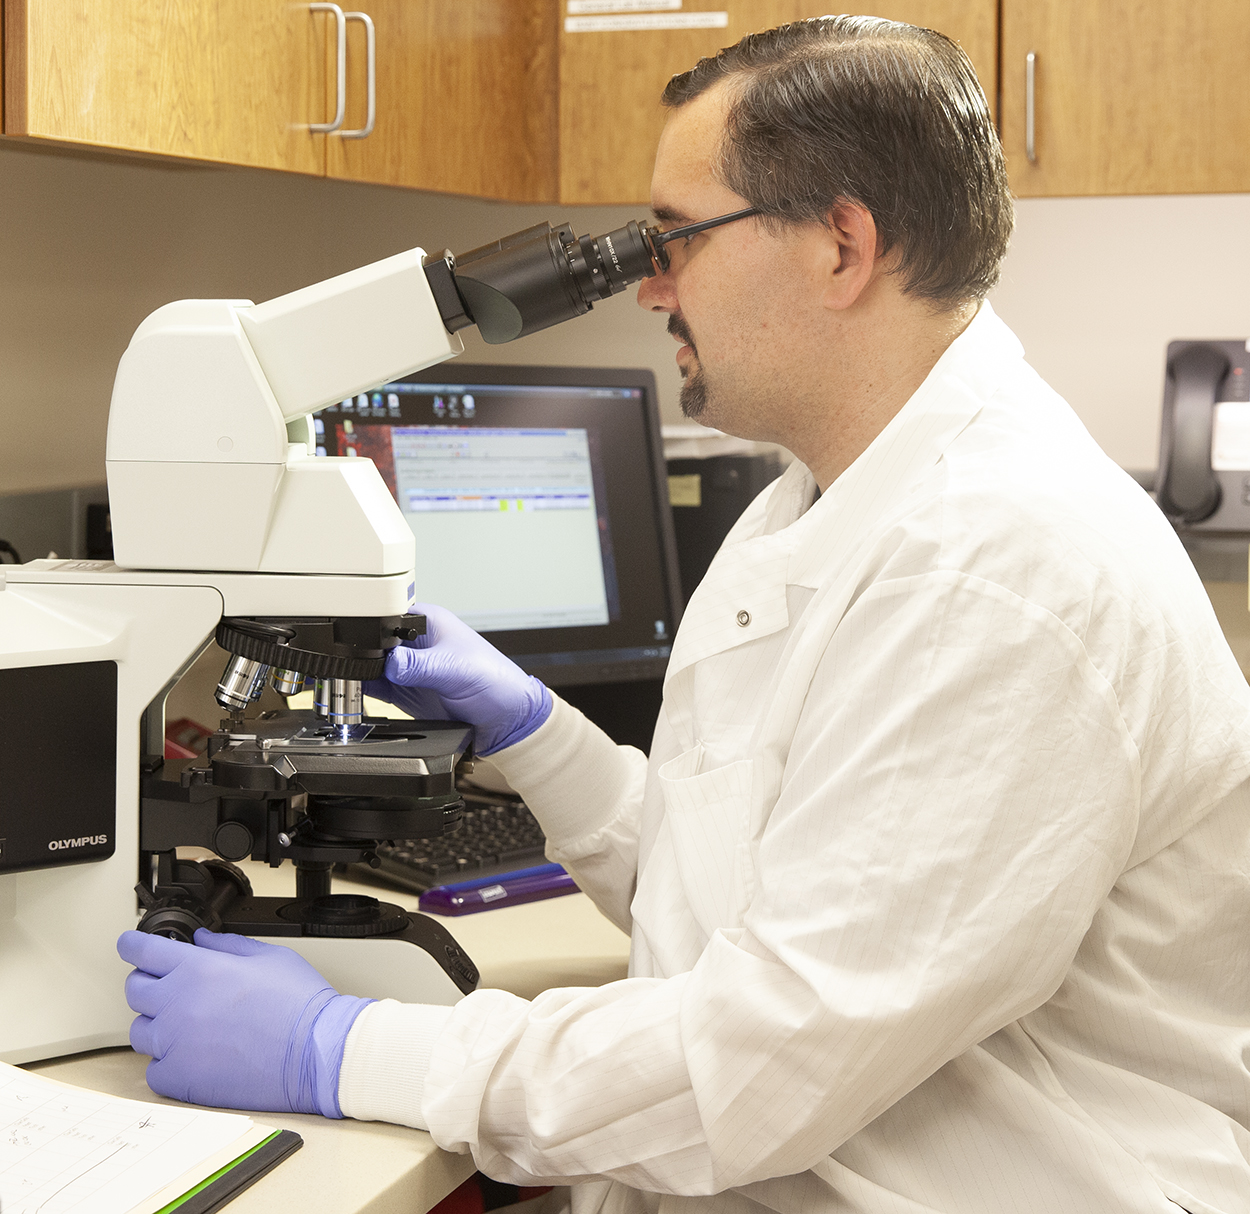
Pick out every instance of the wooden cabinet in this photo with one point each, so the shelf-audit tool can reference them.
(230, 80)
(500, 98)
(1129, 96)
(506, 99)
(610, 83)
(466, 99)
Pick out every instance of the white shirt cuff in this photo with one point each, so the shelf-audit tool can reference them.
(569, 772)
(386, 1059)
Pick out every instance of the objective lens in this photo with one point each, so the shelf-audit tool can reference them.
(241, 682)
(346, 702)
(287, 682)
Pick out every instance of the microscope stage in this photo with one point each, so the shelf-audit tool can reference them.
(375, 758)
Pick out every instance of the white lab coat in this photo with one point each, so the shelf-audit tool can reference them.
(938, 879)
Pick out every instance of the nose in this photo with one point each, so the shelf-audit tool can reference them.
(657, 293)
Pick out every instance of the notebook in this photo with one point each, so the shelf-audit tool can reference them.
(68, 1150)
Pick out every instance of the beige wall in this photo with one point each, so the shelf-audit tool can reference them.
(1097, 287)
(89, 246)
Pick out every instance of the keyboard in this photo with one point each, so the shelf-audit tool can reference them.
(497, 834)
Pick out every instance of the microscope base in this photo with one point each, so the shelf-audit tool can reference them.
(418, 963)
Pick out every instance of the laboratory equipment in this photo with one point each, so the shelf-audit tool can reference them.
(226, 525)
(538, 277)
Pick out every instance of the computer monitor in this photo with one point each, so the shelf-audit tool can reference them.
(539, 501)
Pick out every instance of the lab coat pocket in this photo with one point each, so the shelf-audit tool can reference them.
(709, 814)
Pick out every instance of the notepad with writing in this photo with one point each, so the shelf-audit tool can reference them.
(67, 1150)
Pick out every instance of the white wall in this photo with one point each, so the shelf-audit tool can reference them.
(90, 245)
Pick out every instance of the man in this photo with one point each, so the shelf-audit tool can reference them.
(938, 878)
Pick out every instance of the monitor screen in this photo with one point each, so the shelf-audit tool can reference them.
(539, 502)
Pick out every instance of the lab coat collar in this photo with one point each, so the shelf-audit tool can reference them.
(914, 440)
(784, 540)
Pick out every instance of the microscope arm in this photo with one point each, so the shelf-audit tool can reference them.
(208, 456)
(203, 473)
(336, 338)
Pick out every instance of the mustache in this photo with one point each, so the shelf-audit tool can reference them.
(677, 327)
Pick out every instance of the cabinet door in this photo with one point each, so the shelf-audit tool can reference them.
(230, 80)
(610, 82)
(466, 98)
(1129, 96)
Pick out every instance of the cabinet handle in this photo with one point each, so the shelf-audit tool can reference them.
(371, 77)
(1030, 107)
(340, 68)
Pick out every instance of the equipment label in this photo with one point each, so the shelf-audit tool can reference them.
(646, 21)
(623, 6)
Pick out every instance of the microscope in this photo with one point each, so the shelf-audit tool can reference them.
(226, 526)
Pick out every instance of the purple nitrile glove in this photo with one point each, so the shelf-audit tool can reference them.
(236, 1023)
(453, 674)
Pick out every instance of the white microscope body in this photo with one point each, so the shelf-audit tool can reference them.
(223, 519)
(219, 508)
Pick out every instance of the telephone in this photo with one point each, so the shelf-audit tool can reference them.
(1204, 448)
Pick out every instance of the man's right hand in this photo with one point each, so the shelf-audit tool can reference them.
(452, 673)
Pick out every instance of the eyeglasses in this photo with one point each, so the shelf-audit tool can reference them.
(656, 239)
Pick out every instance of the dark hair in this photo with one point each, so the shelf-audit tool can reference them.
(890, 116)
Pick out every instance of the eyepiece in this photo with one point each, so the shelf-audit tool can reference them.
(520, 284)
(536, 278)
(604, 265)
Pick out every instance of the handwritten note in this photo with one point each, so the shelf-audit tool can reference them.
(66, 1150)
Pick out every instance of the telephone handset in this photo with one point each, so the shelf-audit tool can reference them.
(1204, 447)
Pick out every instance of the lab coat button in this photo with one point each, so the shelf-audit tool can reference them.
(744, 618)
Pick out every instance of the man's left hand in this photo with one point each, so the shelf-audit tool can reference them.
(237, 1023)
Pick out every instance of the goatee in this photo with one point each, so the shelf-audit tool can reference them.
(693, 398)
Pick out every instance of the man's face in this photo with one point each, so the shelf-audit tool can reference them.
(738, 296)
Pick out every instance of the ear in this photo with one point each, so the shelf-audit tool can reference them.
(855, 246)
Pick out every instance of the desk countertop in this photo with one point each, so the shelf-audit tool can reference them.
(371, 1167)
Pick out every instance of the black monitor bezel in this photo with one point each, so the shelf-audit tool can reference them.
(532, 375)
